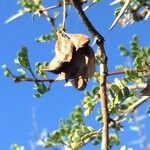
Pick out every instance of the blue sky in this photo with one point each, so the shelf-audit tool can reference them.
(16, 100)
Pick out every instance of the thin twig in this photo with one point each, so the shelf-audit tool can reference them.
(130, 109)
(28, 79)
(123, 72)
(37, 80)
(133, 86)
(49, 8)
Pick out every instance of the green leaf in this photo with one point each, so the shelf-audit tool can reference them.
(148, 110)
(97, 1)
(37, 95)
(21, 71)
(31, 6)
(7, 73)
(123, 147)
(115, 88)
(79, 109)
(40, 67)
(114, 139)
(87, 112)
(124, 51)
(74, 145)
(117, 11)
(118, 98)
(17, 147)
(90, 128)
(56, 134)
(126, 92)
(48, 37)
(22, 57)
(112, 93)
(44, 38)
(76, 138)
(79, 132)
(40, 89)
(95, 90)
(19, 78)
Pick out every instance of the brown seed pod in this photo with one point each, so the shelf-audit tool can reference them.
(90, 61)
(63, 48)
(74, 59)
(78, 60)
(63, 54)
(79, 40)
(79, 83)
(86, 67)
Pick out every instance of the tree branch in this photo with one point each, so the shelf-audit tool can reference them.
(103, 71)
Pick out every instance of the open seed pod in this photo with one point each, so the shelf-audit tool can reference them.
(74, 59)
(63, 54)
(63, 48)
(79, 83)
(86, 69)
(79, 40)
(89, 60)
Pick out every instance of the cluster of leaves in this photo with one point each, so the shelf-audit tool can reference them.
(26, 73)
(136, 54)
(36, 8)
(71, 132)
(47, 37)
(30, 5)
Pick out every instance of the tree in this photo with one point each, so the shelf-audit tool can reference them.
(75, 62)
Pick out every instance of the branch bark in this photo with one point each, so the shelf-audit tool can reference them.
(103, 72)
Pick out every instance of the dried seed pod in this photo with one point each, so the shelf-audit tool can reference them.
(79, 83)
(74, 59)
(86, 67)
(78, 60)
(90, 61)
(79, 40)
(63, 48)
(63, 54)
(54, 66)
